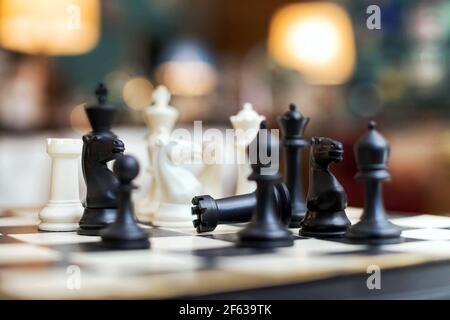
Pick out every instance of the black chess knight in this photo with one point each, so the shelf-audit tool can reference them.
(100, 146)
(293, 124)
(371, 154)
(326, 198)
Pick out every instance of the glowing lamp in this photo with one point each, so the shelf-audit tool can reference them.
(314, 38)
(49, 27)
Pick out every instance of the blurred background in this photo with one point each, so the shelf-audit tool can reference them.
(214, 55)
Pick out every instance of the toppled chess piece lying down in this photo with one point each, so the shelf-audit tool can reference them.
(211, 212)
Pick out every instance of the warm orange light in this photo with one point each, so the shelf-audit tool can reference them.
(315, 39)
(50, 27)
(137, 93)
(187, 78)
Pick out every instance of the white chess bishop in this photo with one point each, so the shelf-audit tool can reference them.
(168, 202)
(63, 210)
(246, 124)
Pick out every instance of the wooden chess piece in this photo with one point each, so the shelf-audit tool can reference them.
(64, 209)
(100, 146)
(293, 125)
(326, 199)
(265, 229)
(124, 232)
(210, 212)
(246, 124)
(371, 154)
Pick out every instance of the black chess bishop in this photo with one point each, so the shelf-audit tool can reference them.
(210, 212)
(372, 154)
(265, 230)
(293, 125)
(100, 146)
(124, 233)
(326, 198)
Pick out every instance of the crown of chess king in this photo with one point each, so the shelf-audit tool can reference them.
(161, 116)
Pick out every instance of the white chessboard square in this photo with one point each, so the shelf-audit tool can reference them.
(24, 253)
(54, 238)
(187, 243)
(427, 234)
(423, 221)
(135, 261)
(220, 229)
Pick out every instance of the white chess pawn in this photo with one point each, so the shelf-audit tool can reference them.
(246, 124)
(64, 209)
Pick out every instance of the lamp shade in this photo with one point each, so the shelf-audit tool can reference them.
(314, 38)
(49, 27)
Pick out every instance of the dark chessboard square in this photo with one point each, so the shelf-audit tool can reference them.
(230, 252)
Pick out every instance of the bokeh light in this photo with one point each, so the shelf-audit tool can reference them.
(315, 39)
(63, 27)
(137, 93)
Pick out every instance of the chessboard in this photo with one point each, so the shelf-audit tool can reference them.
(184, 264)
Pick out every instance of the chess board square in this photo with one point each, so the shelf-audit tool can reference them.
(14, 253)
(427, 234)
(423, 221)
(161, 232)
(53, 238)
(428, 248)
(135, 262)
(19, 229)
(25, 220)
(187, 243)
(221, 229)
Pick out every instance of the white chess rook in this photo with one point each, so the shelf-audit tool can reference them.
(64, 208)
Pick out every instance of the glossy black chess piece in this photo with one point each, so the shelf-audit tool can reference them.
(210, 212)
(293, 125)
(100, 146)
(124, 232)
(326, 198)
(372, 154)
(265, 229)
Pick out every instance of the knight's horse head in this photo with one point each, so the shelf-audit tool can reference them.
(326, 150)
(103, 148)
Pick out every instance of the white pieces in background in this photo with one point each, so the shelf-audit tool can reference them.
(160, 119)
(63, 210)
(246, 124)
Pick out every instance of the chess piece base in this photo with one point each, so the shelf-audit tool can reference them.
(324, 224)
(127, 245)
(172, 215)
(256, 237)
(60, 216)
(374, 231)
(95, 219)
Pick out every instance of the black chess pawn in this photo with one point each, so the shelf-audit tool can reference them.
(326, 199)
(372, 154)
(210, 212)
(265, 230)
(124, 232)
(293, 125)
(100, 146)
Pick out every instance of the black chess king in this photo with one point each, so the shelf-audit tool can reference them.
(100, 146)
